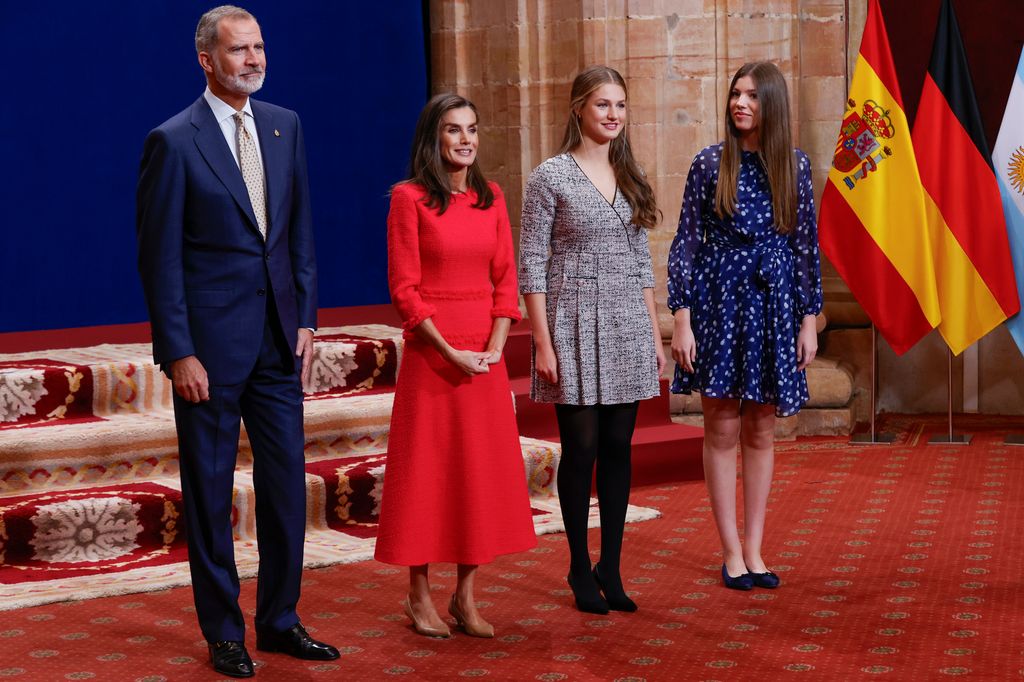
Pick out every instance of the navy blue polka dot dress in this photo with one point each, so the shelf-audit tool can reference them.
(747, 286)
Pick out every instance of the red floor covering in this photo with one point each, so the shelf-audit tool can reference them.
(898, 562)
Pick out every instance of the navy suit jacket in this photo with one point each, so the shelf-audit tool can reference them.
(206, 271)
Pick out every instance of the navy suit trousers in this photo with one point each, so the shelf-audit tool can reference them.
(269, 402)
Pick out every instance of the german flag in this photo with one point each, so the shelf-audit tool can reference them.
(872, 225)
(976, 286)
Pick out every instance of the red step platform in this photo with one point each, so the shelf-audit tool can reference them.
(138, 332)
(663, 451)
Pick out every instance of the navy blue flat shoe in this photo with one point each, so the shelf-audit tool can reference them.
(767, 580)
(741, 582)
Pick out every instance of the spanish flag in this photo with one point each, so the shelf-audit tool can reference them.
(872, 225)
(976, 286)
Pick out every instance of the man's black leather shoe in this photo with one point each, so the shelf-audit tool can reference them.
(295, 641)
(231, 658)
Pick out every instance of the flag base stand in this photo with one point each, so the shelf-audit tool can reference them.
(950, 437)
(947, 439)
(1014, 439)
(869, 438)
(872, 436)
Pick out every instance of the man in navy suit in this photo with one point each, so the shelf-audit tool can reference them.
(226, 257)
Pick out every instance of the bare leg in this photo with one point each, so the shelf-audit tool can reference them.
(419, 598)
(464, 588)
(757, 439)
(721, 436)
(463, 607)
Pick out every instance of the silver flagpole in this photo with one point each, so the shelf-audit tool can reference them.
(871, 437)
(950, 438)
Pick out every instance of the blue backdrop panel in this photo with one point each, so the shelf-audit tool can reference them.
(85, 83)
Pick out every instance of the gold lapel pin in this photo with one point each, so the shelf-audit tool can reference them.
(277, 133)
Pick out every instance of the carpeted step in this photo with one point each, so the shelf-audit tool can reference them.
(663, 450)
(518, 353)
(655, 411)
(102, 414)
(80, 529)
(667, 453)
(140, 446)
(352, 486)
(130, 536)
(536, 420)
(42, 388)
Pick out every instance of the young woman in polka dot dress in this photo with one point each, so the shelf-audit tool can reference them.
(744, 288)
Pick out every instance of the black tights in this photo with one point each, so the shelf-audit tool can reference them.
(590, 433)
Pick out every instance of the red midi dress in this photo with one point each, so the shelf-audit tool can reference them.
(455, 486)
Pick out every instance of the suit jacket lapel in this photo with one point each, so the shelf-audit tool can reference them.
(210, 141)
(275, 163)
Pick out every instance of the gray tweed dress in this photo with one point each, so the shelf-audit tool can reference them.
(593, 264)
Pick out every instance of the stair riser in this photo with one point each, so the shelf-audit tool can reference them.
(144, 447)
(120, 379)
(139, 522)
(518, 352)
(669, 462)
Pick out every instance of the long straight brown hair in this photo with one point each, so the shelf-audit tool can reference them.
(628, 176)
(427, 168)
(776, 151)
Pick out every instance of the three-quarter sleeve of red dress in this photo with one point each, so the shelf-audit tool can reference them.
(503, 265)
(404, 258)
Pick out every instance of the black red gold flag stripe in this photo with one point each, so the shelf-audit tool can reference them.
(974, 272)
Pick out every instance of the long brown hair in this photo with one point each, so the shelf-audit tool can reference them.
(628, 176)
(776, 151)
(427, 168)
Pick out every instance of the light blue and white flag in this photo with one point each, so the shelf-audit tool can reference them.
(1008, 159)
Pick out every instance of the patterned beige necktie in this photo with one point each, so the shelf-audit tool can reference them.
(252, 172)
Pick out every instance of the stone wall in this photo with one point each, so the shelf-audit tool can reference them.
(516, 59)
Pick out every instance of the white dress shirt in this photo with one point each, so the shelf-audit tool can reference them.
(224, 113)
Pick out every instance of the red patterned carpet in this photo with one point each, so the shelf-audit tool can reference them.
(899, 562)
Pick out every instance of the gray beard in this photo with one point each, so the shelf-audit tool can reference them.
(238, 83)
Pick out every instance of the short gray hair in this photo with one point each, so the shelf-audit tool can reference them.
(206, 31)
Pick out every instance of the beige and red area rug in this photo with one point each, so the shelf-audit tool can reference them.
(90, 501)
(109, 540)
(62, 386)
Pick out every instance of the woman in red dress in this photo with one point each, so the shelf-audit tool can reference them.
(455, 486)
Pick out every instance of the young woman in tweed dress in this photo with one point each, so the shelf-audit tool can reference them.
(585, 271)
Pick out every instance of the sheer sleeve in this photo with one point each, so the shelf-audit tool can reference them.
(404, 259)
(804, 243)
(688, 239)
(503, 265)
(535, 233)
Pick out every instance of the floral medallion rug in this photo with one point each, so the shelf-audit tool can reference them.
(63, 386)
(90, 500)
(118, 539)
